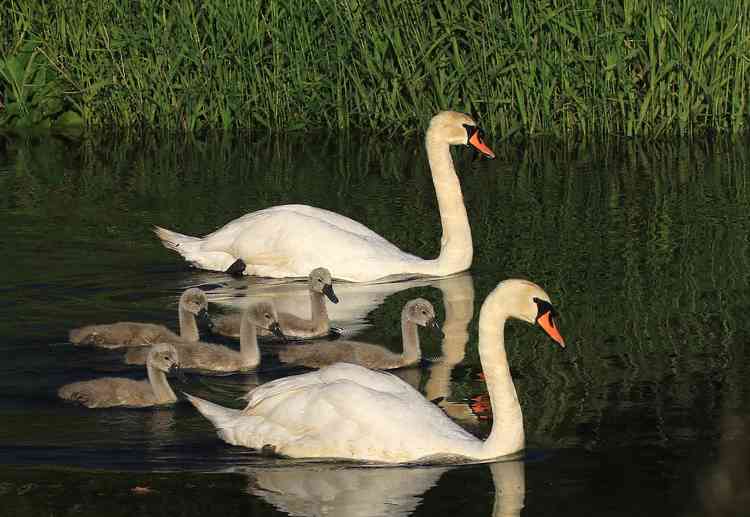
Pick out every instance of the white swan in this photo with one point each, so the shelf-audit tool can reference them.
(115, 391)
(319, 283)
(347, 411)
(291, 240)
(193, 304)
(211, 358)
(323, 353)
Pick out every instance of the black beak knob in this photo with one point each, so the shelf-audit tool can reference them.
(177, 372)
(275, 329)
(435, 328)
(204, 320)
(328, 291)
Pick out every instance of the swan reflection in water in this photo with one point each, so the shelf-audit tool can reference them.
(724, 488)
(352, 492)
(357, 301)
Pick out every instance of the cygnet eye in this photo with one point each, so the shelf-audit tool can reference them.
(268, 316)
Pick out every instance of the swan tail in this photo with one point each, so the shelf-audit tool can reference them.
(182, 244)
(191, 250)
(218, 415)
(81, 336)
(92, 335)
(76, 392)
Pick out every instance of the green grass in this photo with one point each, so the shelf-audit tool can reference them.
(574, 68)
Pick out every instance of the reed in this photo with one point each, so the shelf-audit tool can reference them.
(579, 69)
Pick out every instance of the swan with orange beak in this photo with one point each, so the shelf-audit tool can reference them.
(292, 240)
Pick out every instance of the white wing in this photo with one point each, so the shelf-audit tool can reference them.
(291, 240)
(374, 380)
(345, 411)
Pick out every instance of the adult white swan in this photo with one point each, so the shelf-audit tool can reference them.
(291, 240)
(347, 411)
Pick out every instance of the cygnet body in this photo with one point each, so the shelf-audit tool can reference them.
(114, 391)
(417, 312)
(212, 358)
(193, 304)
(320, 284)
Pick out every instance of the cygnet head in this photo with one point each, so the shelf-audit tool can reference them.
(321, 282)
(195, 301)
(421, 312)
(530, 303)
(457, 128)
(263, 315)
(164, 357)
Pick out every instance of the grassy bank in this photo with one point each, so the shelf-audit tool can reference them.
(580, 68)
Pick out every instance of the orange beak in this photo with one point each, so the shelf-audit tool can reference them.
(548, 324)
(476, 142)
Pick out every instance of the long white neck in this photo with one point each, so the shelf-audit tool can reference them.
(410, 340)
(249, 351)
(188, 325)
(507, 434)
(456, 247)
(162, 390)
(318, 309)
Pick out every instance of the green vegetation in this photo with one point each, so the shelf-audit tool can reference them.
(575, 68)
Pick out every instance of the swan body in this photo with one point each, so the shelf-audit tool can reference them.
(348, 411)
(193, 304)
(291, 240)
(320, 285)
(417, 312)
(112, 391)
(212, 358)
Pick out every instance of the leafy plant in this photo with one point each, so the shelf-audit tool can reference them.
(575, 69)
(33, 94)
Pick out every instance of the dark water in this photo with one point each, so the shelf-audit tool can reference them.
(643, 248)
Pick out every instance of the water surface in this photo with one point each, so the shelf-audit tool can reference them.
(643, 249)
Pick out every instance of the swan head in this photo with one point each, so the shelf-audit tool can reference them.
(457, 128)
(263, 315)
(321, 282)
(194, 300)
(164, 357)
(421, 312)
(527, 301)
